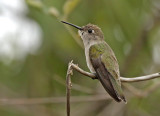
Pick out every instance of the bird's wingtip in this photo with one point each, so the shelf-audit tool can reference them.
(124, 100)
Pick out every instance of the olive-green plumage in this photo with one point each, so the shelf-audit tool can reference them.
(101, 59)
(107, 69)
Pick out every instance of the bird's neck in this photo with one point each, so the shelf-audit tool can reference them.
(88, 44)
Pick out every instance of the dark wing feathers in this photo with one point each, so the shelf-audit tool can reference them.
(104, 77)
(107, 69)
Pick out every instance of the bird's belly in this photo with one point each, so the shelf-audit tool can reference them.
(89, 64)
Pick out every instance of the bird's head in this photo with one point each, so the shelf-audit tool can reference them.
(89, 33)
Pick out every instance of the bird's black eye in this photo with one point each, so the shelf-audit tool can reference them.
(90, 31)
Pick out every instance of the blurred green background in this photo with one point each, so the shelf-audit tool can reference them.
(32, 81)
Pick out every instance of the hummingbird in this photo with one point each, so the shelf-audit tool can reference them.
(101, 59)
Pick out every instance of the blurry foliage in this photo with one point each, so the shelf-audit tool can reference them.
(131, 28)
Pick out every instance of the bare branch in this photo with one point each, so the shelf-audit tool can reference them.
(72, 66)
(123, 79)
(68, 82)
(141, 78)
(91, 75)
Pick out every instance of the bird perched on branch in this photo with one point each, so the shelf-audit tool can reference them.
(101, 60)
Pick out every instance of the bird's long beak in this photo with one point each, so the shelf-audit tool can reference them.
(80, 28)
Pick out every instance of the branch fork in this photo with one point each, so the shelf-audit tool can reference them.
(72, 66)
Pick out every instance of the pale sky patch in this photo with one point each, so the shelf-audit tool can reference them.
(19, 35)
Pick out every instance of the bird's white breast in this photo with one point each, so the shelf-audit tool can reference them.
(88, 42)
(89, 64)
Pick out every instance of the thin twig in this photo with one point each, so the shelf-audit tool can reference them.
(68, 82)
(141, 78)
(123, 79)
(72, 66)
(77, 68)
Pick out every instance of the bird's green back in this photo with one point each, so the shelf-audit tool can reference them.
(108, 58)
(107, 68)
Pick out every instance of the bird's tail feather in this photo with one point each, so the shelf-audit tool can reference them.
(111, 85)
(117, 88)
